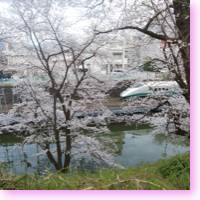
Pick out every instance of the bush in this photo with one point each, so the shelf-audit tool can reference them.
(150, 67)
(177, 170)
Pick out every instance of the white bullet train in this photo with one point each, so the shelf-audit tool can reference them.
(152, 88)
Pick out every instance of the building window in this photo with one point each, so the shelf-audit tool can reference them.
(117, 55)
(118, 66)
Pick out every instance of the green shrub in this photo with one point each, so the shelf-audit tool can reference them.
(149, 66)
(177, 170)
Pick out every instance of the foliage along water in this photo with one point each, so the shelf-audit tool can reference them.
(133, 146)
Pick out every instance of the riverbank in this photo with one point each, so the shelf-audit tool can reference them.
(168, 174)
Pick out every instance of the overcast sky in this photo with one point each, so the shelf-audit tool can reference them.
(73, 16)
(3, 6)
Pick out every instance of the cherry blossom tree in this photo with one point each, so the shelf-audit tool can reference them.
(51, 104)
(60, 99)
(166, 21)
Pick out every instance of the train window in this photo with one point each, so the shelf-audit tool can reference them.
(138, 85)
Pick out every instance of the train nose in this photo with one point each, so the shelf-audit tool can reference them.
(127, 92)
(123, 94)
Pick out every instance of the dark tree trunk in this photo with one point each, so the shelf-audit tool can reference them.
(182, 16)
(68, 144)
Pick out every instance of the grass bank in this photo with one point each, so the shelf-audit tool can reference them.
(172, 173)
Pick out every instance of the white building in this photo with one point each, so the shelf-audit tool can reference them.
(125, 53)
(120, 53)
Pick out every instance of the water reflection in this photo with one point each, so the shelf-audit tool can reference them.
(134, 146)
(142, 146)
(19, 161)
